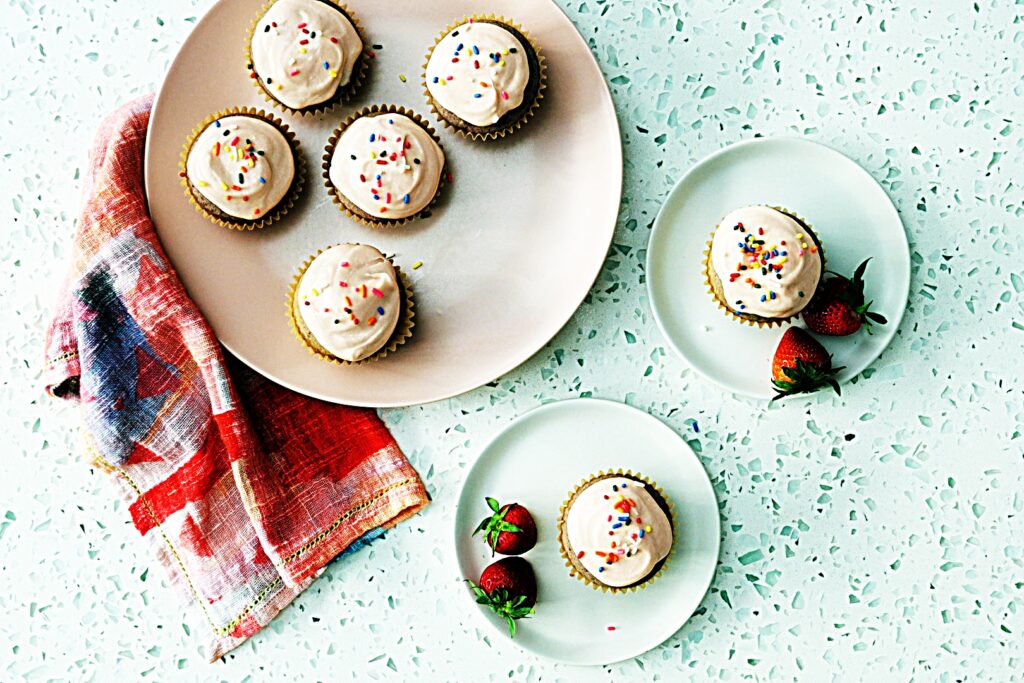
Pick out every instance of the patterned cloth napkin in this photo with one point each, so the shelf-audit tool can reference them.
(245, 489)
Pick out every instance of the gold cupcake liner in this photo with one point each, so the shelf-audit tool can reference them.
(563, 514)
(342, 95)
(749, 319)
(512, 126)
(402, 333)
(282, 207)
(335, 193)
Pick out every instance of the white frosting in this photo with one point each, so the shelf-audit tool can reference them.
(340, 298)
(303, 51)
(617, 519)
(478, 72)
(396, 167)
(767, 263)
(242, 164)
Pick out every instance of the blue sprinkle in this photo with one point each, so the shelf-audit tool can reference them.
(617, 525)
(263, 181)
(380, 311)
(600, 569)
(623, 519)
(326, 66)
(391, 122)
(696, 427)
(763, 297)
(459, 48)
(217, 124)
(641, 534)
(405, 199)
(476, 50)
(773, 295)
(373, 136)
(477, 95)
(435, 79)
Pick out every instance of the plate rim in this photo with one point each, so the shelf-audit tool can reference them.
(656, 423)
(661, 226)
(515, 360)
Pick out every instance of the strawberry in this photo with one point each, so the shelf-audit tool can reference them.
(801, 364)
(509, 588)
(838, 309)
(510, 530)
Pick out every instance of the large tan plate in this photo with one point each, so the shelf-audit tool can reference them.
(508, 254)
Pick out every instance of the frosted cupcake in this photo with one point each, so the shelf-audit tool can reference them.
(306, 55)
(763, 265)
(616, 531)
(384, 166)
(241, 169)
(349, 304)
(483, 77)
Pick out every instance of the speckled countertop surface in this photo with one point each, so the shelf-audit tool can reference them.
(881, 534)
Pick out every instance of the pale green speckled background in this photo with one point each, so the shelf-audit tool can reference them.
(881, 534)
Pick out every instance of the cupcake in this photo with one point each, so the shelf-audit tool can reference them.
(383, 166)
(616, 531)
(241, 168)
(348, 304)
(483, 77)
(763, 265)
(306, 55)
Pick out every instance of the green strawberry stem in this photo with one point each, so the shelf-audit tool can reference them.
(494, 525)
(505, 605)
(805, 377)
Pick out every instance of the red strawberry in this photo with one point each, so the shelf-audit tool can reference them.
(838, 309)
(508, 587)
(510, 530)
(801, 364)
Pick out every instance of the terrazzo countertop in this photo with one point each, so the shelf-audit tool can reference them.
(880, 534)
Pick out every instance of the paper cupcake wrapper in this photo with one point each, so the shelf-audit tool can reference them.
(286, 202)
(562, 516)
(335, 194)
(513, 126)
(344, 93)
(752, 320)
(402, 333)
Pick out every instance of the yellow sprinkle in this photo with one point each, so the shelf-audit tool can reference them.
(373, 155)
(252, 163)
(203, 183)
(223, 185)
(444, 82)
(504, 52)
(417, 265)
(503, 62)
(647, 529)
(804, 245)
(334, 74)
(401, 77)
(302, 50)
(278, 86)
(800, 236)
(316, 292)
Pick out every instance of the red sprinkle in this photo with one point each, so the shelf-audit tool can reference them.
(294, 73)
(302, 25)
(580, 554)
(235, 141)
(304, 41)
(611, 628)
(333, 39)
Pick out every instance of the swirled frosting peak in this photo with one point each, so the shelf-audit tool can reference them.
(303, 51)
(618, 531)
(387, 165)
(768, 265)
(479, 72)
(242, 164)
(349, 298)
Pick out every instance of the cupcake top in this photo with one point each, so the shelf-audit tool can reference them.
(618, 531)
(303, 51)
(349, 298)
(479, 72)
(242, 164)
(387, 165)
(768, 264)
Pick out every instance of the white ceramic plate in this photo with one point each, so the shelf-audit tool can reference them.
(850, 213)
(536, 461)
(508, 255)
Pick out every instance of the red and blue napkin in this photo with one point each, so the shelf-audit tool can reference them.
(245, 489)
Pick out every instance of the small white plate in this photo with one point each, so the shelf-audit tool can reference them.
(849, 212)
(536, 461)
